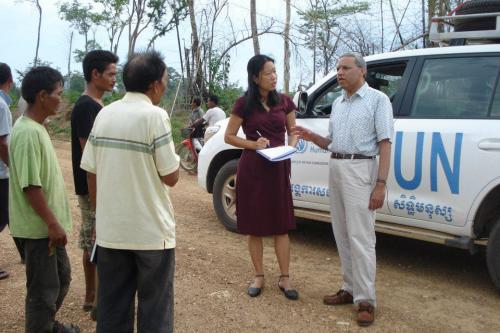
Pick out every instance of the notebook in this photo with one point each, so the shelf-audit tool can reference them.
(277, 153)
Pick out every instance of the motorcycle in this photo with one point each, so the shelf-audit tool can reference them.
(189, 148)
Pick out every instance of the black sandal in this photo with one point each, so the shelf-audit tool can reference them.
(253, 291)
(291, 294)
(65, 328)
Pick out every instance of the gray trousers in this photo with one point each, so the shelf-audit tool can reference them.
(47, 283)
(353, 223)
(121, 274)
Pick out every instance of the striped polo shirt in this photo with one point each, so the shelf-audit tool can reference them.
(129, 148)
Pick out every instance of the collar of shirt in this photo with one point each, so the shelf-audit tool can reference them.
(361, 92)
(136, 96)
(5, 97)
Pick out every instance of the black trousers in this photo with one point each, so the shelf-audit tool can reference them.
(4, 213)
(47, 283)
(4, 203)
(121, 274)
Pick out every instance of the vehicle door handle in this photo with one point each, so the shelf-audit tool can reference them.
(489, 144)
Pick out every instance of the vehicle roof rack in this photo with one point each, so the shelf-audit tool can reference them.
(449, 22)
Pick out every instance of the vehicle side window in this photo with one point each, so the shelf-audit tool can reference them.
(455, 88)
(495, 107)
(385, 78)
(323, 104)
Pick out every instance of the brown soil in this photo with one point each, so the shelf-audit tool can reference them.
(421, 287)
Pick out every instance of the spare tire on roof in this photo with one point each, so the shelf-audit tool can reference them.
(477, 7)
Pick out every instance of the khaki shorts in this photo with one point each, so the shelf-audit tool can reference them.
(85, 240)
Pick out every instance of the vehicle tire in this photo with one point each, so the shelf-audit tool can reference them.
(224, 195)
(493, 255)
(476, 7)
(187, 161)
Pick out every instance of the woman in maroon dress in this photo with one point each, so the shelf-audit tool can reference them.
(264, 204)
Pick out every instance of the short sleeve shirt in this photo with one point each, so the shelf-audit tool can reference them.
(82, 120)
(5, 128)
(213, 115)
(33, 161)
(358, 123)
(195, 115)
(129, 148)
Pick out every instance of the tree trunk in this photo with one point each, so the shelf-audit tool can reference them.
(382, 24)
(69, 54)
(195, 49)
(314, 53)
(396, 23)
(286, 62)
(253, 22)
(35, 62)
(179, 45)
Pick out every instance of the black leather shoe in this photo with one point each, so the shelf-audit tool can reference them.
(291, 294)
(253, 291)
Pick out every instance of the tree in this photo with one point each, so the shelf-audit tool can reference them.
(112, 20)
(155, 14)
(322, 29)
(196, 68)
(36, 61)
(80, 17)
(286, 51)
(253, 23)
(91, 45)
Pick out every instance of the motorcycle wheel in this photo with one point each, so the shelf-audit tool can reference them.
(187, 160)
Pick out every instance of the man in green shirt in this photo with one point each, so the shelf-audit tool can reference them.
(39, 210)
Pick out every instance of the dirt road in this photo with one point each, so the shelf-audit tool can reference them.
(420, 287)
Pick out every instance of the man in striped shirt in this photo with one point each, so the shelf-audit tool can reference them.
(131, 161)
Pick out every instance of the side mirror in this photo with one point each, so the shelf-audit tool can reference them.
(301, 104)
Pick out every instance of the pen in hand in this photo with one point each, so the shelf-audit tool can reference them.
(267, 144)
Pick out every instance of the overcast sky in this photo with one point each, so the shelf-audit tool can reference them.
(19, 21)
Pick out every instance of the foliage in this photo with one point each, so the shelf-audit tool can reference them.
(228, 96)
(110, 18)
(76, 82)
(22, 73)
(111, 97)
(219, 72)
(91, 45)
(178, 121)
(322, 29)
(15, 94)
(71, 96)
(159, 13)
(79, 16)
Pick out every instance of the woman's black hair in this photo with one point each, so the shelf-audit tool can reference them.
(252, 95)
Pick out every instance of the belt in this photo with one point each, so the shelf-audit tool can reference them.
(351, 156)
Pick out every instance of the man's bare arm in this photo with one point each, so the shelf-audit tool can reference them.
(36, 198)
(171, 179)
(4, 149)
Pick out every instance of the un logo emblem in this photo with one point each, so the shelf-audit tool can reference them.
(301, 146)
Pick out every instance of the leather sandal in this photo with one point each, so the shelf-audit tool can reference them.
(65, 328)
(291, 294)
(253, 291)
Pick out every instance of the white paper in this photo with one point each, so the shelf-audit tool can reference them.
(93, 259)
(277, 153)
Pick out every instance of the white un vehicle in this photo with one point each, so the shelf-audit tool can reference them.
(444, 180)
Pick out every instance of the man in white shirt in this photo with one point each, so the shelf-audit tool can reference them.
(131, 162)
(214, 112)
(6, 83)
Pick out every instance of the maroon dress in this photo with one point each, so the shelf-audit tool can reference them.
(264, 205)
